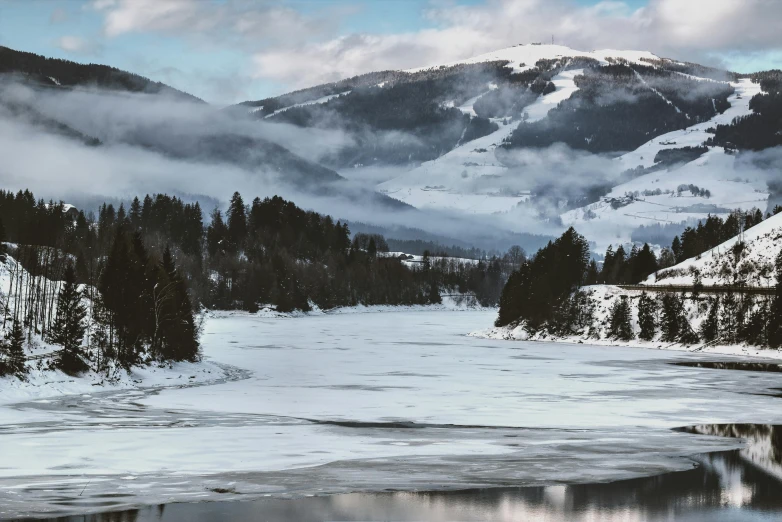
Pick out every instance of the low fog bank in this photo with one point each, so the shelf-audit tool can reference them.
(155, 144)
(59, 168)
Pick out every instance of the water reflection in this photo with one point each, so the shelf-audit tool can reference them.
(733, 365)
(727, 486)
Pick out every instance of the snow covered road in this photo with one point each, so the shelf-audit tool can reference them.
(346, 402)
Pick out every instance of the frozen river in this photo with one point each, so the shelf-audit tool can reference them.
(370, 402)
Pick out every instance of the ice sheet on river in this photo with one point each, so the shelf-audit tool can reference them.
(397, 400)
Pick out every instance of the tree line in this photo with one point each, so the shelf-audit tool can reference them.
(545, 294)
(141, 271)
(70, 74)
(132, 307)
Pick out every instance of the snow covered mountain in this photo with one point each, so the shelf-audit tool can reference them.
(602, 140)
(624, 145)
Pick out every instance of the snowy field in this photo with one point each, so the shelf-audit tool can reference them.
(403, 399)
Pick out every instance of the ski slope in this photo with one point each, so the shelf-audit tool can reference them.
(696, 135)
(730, 188)
(470, 178)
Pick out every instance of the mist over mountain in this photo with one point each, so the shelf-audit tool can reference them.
(524, 140)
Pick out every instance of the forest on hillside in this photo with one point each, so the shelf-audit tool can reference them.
(551, 293)
(762, 129)
(620, 106)
(55, 72)
(147, 268)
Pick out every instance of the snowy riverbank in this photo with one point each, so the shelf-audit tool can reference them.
(601, 298)
(42, 384)
(520, 334)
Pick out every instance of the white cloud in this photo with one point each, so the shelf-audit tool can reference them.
(235, 21)
(303, 48)
(690, 30)
(78, 45)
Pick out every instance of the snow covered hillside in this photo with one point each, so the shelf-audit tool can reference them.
(697, 134)
(470, 178)
(655, 197)
(721, 302)
(746, 259)
(42, 380)
(602, 298)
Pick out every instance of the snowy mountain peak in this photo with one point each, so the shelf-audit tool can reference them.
(524, 57)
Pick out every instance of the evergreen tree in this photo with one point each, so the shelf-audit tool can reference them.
(434, 293)
(728, 313)
(2, 240)
(237, 222)
(608, 266)
(176, 332)
(710, 327)
(619, 319)
(135, 214)
(647, 317)
(674, 324)
(216, 234)
(121, 214)
(542, 283)
(69, 328)
(15, 356)
(678, 251)
(756, 328)
(592, 275)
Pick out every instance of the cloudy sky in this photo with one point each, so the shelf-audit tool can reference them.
(232, 50)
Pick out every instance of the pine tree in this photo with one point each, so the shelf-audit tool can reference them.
(756, 328)
(135, 214)
(216, 234)
(728, 313)
(175, 333)
(647, 317)
(674, 323)
(68, 329)
(606, 276)
(2, 240)
(434, 293)
(237, 222)
(592, 274)
(620, 326)
(710, 327)
(15, 356)
(677, 249)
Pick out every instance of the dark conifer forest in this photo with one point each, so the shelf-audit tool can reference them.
(546, 293)
(619, 107)
(763, 128)
(148, 267)
(55, 72)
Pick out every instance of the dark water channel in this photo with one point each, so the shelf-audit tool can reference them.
(726, 486)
